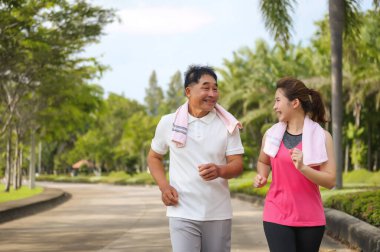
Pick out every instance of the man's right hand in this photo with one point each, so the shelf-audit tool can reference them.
(260, 181)
(169, 196)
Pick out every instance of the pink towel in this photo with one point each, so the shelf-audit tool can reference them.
(181, 121)
(313, 141)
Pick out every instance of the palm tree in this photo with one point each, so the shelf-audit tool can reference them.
(247, 86)
(342, 16)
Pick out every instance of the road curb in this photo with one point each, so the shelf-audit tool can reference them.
(352, 231)
(341, 226)
(48, 199)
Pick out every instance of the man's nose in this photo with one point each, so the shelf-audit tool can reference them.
(212, 93)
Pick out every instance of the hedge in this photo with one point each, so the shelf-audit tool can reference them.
(362, 205)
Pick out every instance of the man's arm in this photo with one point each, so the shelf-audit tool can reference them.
(232, 169)
(157, 169)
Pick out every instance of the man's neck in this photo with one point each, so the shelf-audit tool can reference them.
(197, 112)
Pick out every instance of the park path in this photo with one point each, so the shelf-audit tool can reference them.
(120, 218)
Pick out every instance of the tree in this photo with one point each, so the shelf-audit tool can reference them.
(175, 95)
(101, 141)
(39, 43)
(137, 136)
(154, 95)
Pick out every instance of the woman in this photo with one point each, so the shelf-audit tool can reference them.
(300, 153)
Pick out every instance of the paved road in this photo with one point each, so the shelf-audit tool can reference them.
(120, 218)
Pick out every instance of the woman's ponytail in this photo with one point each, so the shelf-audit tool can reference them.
(311, 100)
(318, 112)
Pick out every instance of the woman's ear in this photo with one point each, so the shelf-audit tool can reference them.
(296, 103)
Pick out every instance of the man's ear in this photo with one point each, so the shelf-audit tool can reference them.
(187, 91)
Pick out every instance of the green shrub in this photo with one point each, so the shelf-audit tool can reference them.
(244, 184)
(117, 178)
(362, 205)
(141, 178)
(119, 174)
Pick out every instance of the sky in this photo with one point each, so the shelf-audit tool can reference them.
(166, 36)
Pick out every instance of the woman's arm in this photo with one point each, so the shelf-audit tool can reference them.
(263, 167)
(327, 173)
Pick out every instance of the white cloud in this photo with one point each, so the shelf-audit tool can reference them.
(161, 20)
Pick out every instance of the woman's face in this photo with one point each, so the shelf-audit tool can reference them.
(282, 106)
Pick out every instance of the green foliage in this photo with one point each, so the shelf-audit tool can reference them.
(102, 143)
(45, 81)
(135, 142)
(117, 178)
(244, 184)
(154, 96)
(362, 176)
(141, 178)
(278, 19)
(175, 95)
(363, 205)
(358, 149)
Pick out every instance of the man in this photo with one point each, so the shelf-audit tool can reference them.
(205, 151)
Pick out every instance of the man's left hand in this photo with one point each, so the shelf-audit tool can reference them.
(208, 171)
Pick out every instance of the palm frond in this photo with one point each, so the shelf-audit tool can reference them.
(352, 18)
(277, 18)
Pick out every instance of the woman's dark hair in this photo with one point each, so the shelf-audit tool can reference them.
(195, 72)
(310, 99)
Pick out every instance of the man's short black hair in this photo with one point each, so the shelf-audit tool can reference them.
(195, 72)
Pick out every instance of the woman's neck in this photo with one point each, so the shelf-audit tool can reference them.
(295, 125)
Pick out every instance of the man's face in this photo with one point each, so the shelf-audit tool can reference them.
(203, 95)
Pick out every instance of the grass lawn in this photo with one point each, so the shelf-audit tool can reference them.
(23, 192)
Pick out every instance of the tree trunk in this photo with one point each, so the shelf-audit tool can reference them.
(369, 144)
(39, 170)
(32, 164)
(357, 141)
(336, 20)
(20, 168)
(8, 173)
(346, 158)
(143, 157)
(16, 162)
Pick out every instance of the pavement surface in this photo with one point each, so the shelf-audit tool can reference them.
(121, 218)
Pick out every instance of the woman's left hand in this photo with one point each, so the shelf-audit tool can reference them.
(297, 158)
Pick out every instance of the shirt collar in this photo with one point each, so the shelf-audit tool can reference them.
(206, 119)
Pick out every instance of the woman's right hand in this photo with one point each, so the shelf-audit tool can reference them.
(260, 181)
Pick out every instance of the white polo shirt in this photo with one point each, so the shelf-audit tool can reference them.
(208, 141)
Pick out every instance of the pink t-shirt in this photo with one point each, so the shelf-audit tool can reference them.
(292, 199)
